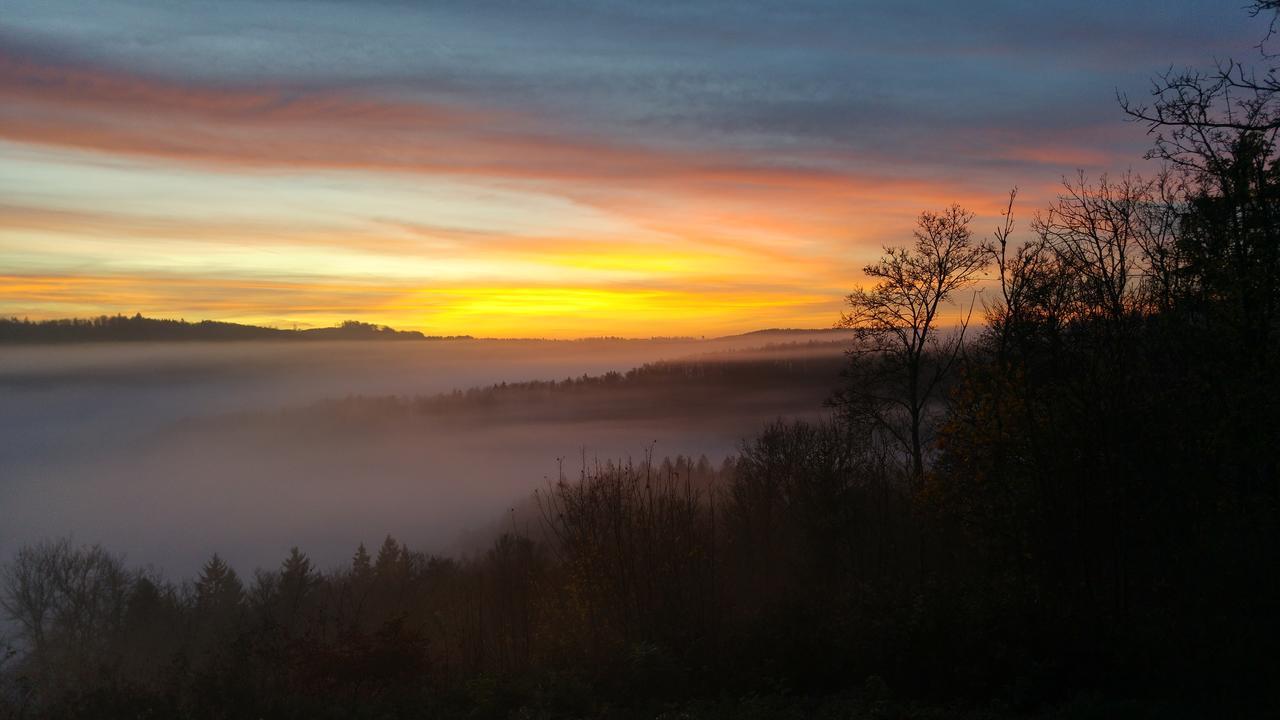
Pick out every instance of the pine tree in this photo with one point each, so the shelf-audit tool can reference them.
(362, 564)
(389, 558)
(218, 586)
(297, 575)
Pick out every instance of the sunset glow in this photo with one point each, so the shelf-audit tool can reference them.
(541, 171)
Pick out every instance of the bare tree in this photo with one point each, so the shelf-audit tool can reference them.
(68, 604)
(56, 590)
(900, 358)
(1030, 284)
(30, 590)
(1198, 116)
(1099, 233)
(1217, 130)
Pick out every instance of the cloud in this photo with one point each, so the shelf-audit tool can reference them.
(620, 147)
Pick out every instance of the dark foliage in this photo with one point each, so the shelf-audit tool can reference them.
(794, 375)
(122, 328)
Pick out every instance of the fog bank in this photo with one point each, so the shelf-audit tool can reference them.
(169, 452)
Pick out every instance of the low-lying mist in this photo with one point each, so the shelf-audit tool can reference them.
(170, 452)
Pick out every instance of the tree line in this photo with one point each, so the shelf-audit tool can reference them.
(136, 328)
(713, 385)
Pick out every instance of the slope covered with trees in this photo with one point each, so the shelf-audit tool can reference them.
(136, 328)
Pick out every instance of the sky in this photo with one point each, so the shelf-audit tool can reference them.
(559, 168)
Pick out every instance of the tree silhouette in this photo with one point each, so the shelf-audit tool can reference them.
(361, 563)
(900, 359)
(218, 586)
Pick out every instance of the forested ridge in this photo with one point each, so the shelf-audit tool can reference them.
(795, 375)
(1067, 507)
(136, 328)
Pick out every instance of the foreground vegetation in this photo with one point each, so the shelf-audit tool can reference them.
(1072, 512)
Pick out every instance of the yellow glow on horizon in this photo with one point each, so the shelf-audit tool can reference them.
(577, 312)
(125, 192)
(482, 311)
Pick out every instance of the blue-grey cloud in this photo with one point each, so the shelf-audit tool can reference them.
(764, 74)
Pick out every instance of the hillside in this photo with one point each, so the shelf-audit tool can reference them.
(122, 328)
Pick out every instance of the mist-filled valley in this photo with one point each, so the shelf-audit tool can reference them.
(169, 452)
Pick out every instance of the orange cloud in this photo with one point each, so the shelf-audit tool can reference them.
(721, 232)
(282, 127)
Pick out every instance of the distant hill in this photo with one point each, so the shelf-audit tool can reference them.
(829, 331)
(122, 328)
(784, 381)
